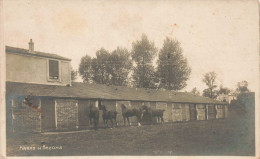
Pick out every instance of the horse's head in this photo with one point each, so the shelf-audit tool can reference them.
(27, 100)
(144, 108)
(103, 107)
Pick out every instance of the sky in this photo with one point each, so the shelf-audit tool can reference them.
(220, 36)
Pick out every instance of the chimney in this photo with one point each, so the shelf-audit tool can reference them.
(31, 46)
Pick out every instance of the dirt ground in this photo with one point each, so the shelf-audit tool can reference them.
(217, 137)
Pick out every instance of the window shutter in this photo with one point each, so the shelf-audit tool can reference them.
(53, 69)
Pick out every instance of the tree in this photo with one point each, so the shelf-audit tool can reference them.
(223, 90)
(195, 91)
(242, 87)
(99, 67)
(143, 52)
(74, 74)
(119, 66)
(210, 80)
(173, 70)
(85, 70)
(106, 68)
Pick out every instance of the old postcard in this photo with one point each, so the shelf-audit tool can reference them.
(129, 78)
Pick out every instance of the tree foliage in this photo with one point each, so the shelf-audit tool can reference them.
(119, 67)
(100, 69)
(143, 53)
(74, 74)
(223, 90)
(242, 87)
(85, 70)
(116, 67)
(210, 80)
(106, 68)
(195, 91)
(173, 70)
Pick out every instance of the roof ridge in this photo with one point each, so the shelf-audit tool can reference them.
(38, 53)
(100, 91)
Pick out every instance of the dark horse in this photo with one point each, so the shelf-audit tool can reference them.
(93, 114)
(126, 113)
(158, 113)
(108, 115)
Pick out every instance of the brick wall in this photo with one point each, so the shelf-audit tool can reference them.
(25, 118)
(200, 111)
(168, 112)
(176, 112)
(220, 111)
(185, 112)
(66, 114)
(226, 111)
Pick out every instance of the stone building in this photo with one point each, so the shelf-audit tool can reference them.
(59, 104)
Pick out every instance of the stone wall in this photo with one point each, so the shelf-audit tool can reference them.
(226, 111)
(220, 111)
(185, 112)
(168, 112)
(66, 111)
(201, 111)
(25, 118)
(176, 112)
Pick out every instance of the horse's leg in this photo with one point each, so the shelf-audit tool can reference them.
(128, 120)
(162, 119)
(104, 121)
(107, 122)
(95, 124)
(116, 121)
(111, 120)
(139, 121)
(124, 121)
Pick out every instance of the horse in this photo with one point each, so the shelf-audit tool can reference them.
(93, 114)
(108, 115)
(158, 113)
(28, 101)
(126, 113)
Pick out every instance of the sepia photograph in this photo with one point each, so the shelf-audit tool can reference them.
(129, 78)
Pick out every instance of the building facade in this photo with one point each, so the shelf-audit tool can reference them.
(59, 104)
(29, 66)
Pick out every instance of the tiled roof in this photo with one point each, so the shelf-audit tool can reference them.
(10, 49)
(98, 91)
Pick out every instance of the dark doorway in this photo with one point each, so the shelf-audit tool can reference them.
(193, 113)
(211, 112)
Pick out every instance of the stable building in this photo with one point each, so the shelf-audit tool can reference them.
(59, 104)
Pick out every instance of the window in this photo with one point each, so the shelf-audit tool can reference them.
(53, 69)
